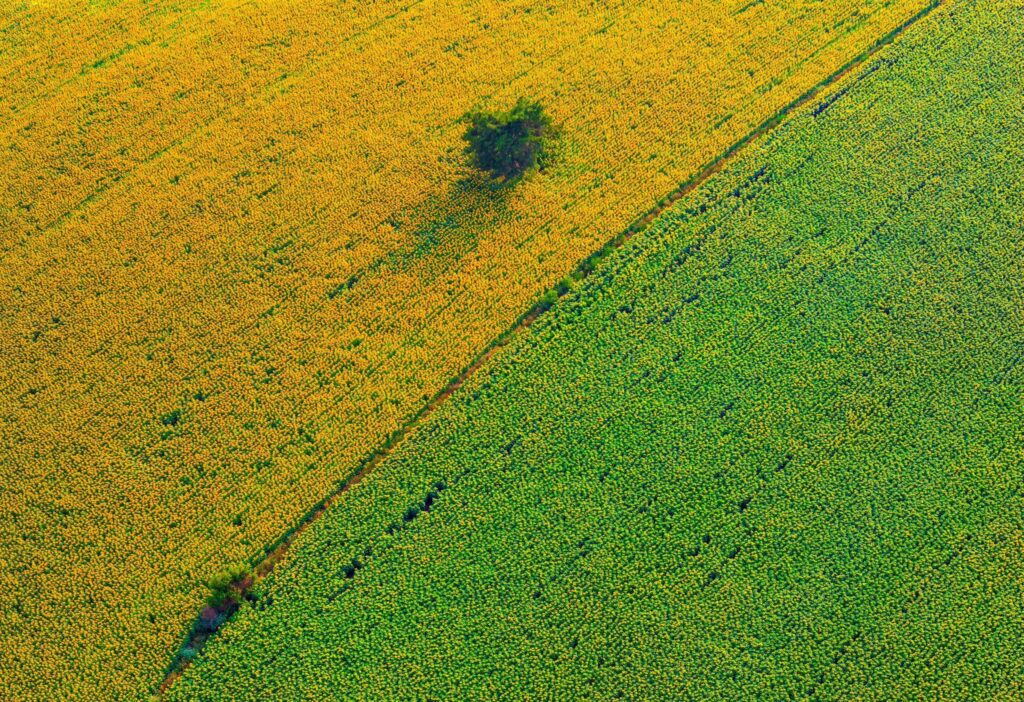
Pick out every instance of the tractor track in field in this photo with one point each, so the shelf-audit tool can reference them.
(276, 551)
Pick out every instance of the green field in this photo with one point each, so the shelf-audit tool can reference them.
(771, 450)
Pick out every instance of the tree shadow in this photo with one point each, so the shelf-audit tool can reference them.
(446, 227)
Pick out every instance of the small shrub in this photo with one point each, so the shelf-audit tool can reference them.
(547, 301)
(228, 585)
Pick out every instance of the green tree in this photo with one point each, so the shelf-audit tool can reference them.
(508, 144)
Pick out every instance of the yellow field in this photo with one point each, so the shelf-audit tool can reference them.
(237, 249)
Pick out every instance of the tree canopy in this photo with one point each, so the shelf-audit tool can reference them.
(510, 143)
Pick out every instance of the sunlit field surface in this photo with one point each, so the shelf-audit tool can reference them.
(772, 450)
(239, 247)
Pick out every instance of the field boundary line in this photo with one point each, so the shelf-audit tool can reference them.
(276, 551)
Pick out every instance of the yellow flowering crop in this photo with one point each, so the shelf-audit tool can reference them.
(238, 247)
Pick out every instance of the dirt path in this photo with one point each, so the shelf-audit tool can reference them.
(276, 551)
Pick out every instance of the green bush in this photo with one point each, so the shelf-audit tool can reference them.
(228, 584)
